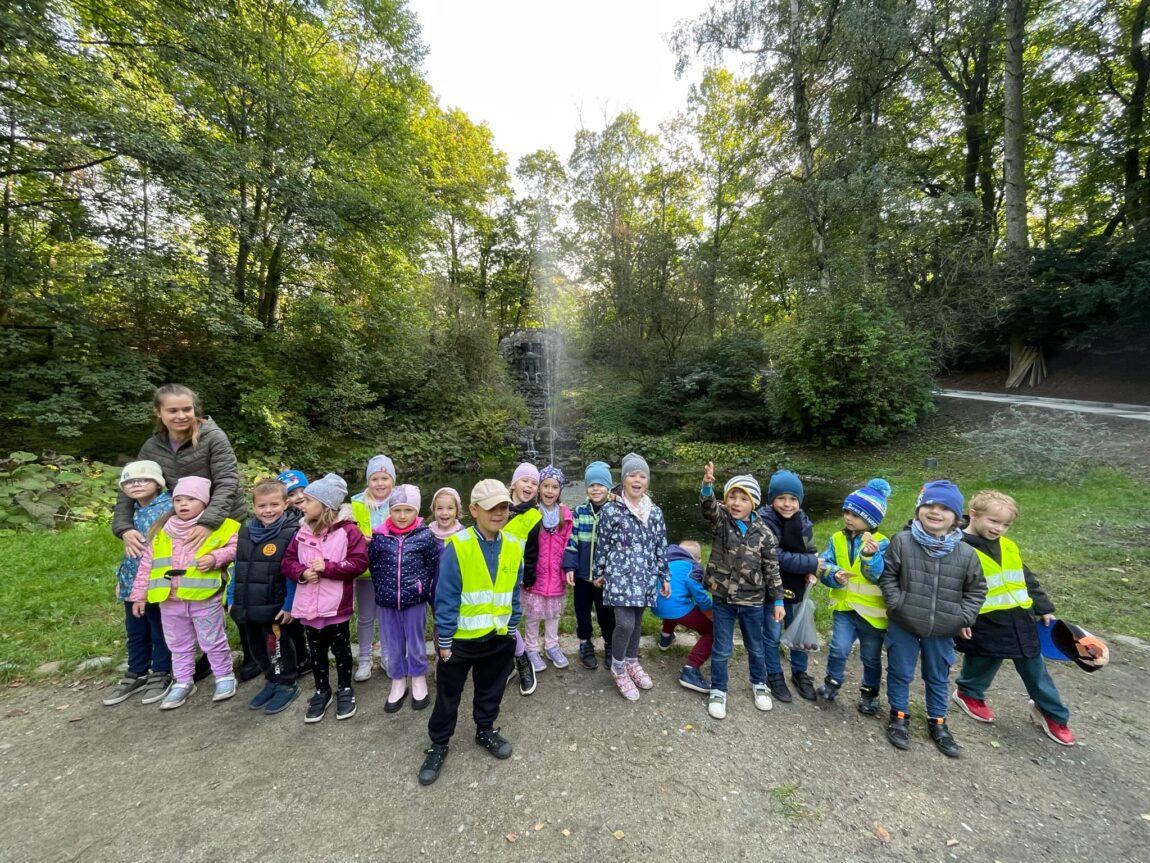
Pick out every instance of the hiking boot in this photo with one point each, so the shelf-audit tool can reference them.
(642, 678)
(625, 685)
(345, 703)
(690, 678)
(260, 699)
(943, 739)
(587, 655)
(159, 682)
(124, 690)
(868, 701)
(778, 686)
(284, 694)
(225, 688)
(1056, 731)
(762, 696)
(804, 684)
(975, 708)
(898, 731)
(526, 672)
(362, 669)
(717, 704)
(829, 690)
(317, 706)
(433, 758)
(666, 640)
(494, 742)
(537, 663)
(177, 695)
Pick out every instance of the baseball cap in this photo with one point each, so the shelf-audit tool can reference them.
(489, 493)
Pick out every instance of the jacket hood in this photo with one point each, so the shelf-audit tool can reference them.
(677, 552)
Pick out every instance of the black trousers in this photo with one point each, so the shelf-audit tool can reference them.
(336, 638)
(586, 595)
(489, 663)
(275, 654)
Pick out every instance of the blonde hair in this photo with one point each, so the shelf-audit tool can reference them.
(166, 390)
(692, 548)
(987, 498)
(327, 519)
(269, 485)
(455, 502)
(158, 524)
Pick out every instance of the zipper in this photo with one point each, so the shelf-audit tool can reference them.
(399, 578)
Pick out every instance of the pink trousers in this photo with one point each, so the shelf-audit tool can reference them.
(188, 622)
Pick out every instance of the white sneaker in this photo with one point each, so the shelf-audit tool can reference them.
(717, 704)
(762, 696)
(363, 670)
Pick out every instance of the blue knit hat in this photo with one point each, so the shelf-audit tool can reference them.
(785, 482)
(747, 483)
(869, 502)
(944, 493)
(598, 473)
(379, 463)
(293, 479)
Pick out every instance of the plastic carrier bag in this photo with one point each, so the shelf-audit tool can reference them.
(802, 634)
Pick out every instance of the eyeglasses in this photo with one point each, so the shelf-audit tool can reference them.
(129, 482)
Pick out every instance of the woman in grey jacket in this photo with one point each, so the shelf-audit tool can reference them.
(933, 587)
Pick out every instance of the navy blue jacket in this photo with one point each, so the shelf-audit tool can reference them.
(403, 568)
(794, 566)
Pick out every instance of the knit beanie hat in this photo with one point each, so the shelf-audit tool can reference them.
(293, 479)
(869, 502)
(143, 470)
(634, 462)
(379, 463)
(785, 482)
(598, 473)
(195, 487)
(944, 493)
(526, 470)
(747, 483)
(405, 495)
(552, 472)
(450, 492)
(330, 490)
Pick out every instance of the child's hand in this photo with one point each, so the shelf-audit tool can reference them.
(780, 613)
(869, 546)
(812, 578)
(138, 608)
(665, 589)
(709, 473)
(599, 582)
(133, 543)
(1046, 619)
(841, 576)
(965, 633)
(570, 576)
(283, 617)
(206, 563)
(196, 536)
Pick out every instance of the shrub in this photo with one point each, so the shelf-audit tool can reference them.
(1050, 446)
(39, 493)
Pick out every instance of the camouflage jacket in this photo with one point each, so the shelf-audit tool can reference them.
(744, 568)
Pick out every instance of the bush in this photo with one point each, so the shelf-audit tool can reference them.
(40, 493)
(1033, 445)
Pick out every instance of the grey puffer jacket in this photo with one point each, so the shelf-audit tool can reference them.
(931, 596)
(212, 458)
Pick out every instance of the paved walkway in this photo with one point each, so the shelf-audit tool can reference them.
(1129, 412)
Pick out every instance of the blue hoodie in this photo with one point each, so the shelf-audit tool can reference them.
(686, 588)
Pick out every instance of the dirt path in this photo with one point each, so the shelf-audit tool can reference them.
(803, 783)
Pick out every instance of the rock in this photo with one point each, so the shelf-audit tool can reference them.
(49, 667)
(96, 662)
(1133, 641)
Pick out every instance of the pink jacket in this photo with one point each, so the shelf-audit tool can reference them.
(549, 580)
(183, 557)
(344, 551)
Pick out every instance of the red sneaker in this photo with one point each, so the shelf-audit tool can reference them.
(975, 708)
(1056, 731)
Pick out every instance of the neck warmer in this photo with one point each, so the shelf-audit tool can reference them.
(550, 516)
(260, 533)
(935, 546)
(177, 528)
(442, 533)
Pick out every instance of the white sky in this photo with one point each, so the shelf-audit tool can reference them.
(535, 71)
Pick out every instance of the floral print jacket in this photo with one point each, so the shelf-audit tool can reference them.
(630, 556)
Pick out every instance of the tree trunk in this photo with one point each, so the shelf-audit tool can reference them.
(1014, 150)
(1136, 187)
(800, 105)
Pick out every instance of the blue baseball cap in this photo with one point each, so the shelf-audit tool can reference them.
(293, 479)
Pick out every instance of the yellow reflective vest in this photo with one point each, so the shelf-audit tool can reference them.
(193, 583)
(859, 593)
(522, 524)
(1006, 581)
(485, 606)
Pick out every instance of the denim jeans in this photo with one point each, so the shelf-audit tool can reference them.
(978, 673)
(147, 650)
(902, 652)
(772, 635)
(847, 626)
(750, 619)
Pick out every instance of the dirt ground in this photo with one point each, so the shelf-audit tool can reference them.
(1117, 377)
(593, 778)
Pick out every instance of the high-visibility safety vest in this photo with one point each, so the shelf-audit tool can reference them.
(522, 524)
(485, 606)
(859, 593)
(1005, 582)
(362, 517)
(193, 583)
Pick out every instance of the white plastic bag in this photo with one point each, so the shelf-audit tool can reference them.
(801, 634)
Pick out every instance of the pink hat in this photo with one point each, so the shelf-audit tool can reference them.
(195, 487)
(450, 492)
(526, 470)
(405, 495)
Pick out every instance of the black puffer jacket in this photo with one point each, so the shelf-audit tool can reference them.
(260, 588)
(931, 596)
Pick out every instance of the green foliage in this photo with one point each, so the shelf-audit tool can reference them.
(38, 494)
(1038, 446)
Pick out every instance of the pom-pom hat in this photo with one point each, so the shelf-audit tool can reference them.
(869, 502)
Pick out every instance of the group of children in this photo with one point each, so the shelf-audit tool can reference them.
(307, 561)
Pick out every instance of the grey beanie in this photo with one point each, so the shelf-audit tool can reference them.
(634, 462)
(330, 490)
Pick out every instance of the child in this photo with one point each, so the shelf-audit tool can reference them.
(260, 597)
(324, 558)
(854, 561)
(404, 557)
(149, 660)
(578, 564)
(742, 575)
(294, 482)
(370, 507)
(186, 580)
(632, 561)
(690, 606)
(799, 566)
(1005, 628)
(446, 507)
(933, 587)
(523, 522)
(483, 565)
(545, 589)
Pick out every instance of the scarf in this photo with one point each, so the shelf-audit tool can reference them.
(390, 527)
(792, 538)
(178, 529)
(260, 533)
(444, 533)
(550, 516)
(935, 546)
(641, 510)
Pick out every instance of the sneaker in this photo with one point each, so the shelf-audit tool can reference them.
(317, 706)
(345, 703)
(804, 684)
(1056, 731)
(868, 701)
(537, 663)
(778, 686)
(690, 678)
(898, 731)
(177, 695)
(123, 690)
(829, 690)
(556, 656)
(433, 758)
(587, 655)
(363, 669)
(943, 739)
(666, 640)
(284, 694)
(158, 685)
(261, 699)
(625, 685)
(526, 673)
(642, 678)
(717, 704)
(494, 742)
(975, 708)
(225, 689)
(762, 696)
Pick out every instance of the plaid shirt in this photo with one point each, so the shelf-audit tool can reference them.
(581, 546)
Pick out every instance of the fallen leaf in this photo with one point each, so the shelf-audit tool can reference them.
(950, 843)
(688, 727)
(618, 834)
(995, 744)
(881, 833)
(539, 826)
(565, 832)
(511, 837)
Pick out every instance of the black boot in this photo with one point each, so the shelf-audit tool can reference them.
(587, 655)
(526, 673)
(607, 655)
(804, 684)
(898, 732)
(868, 701)
(943, 739)
(779, 690)
(829, 689)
